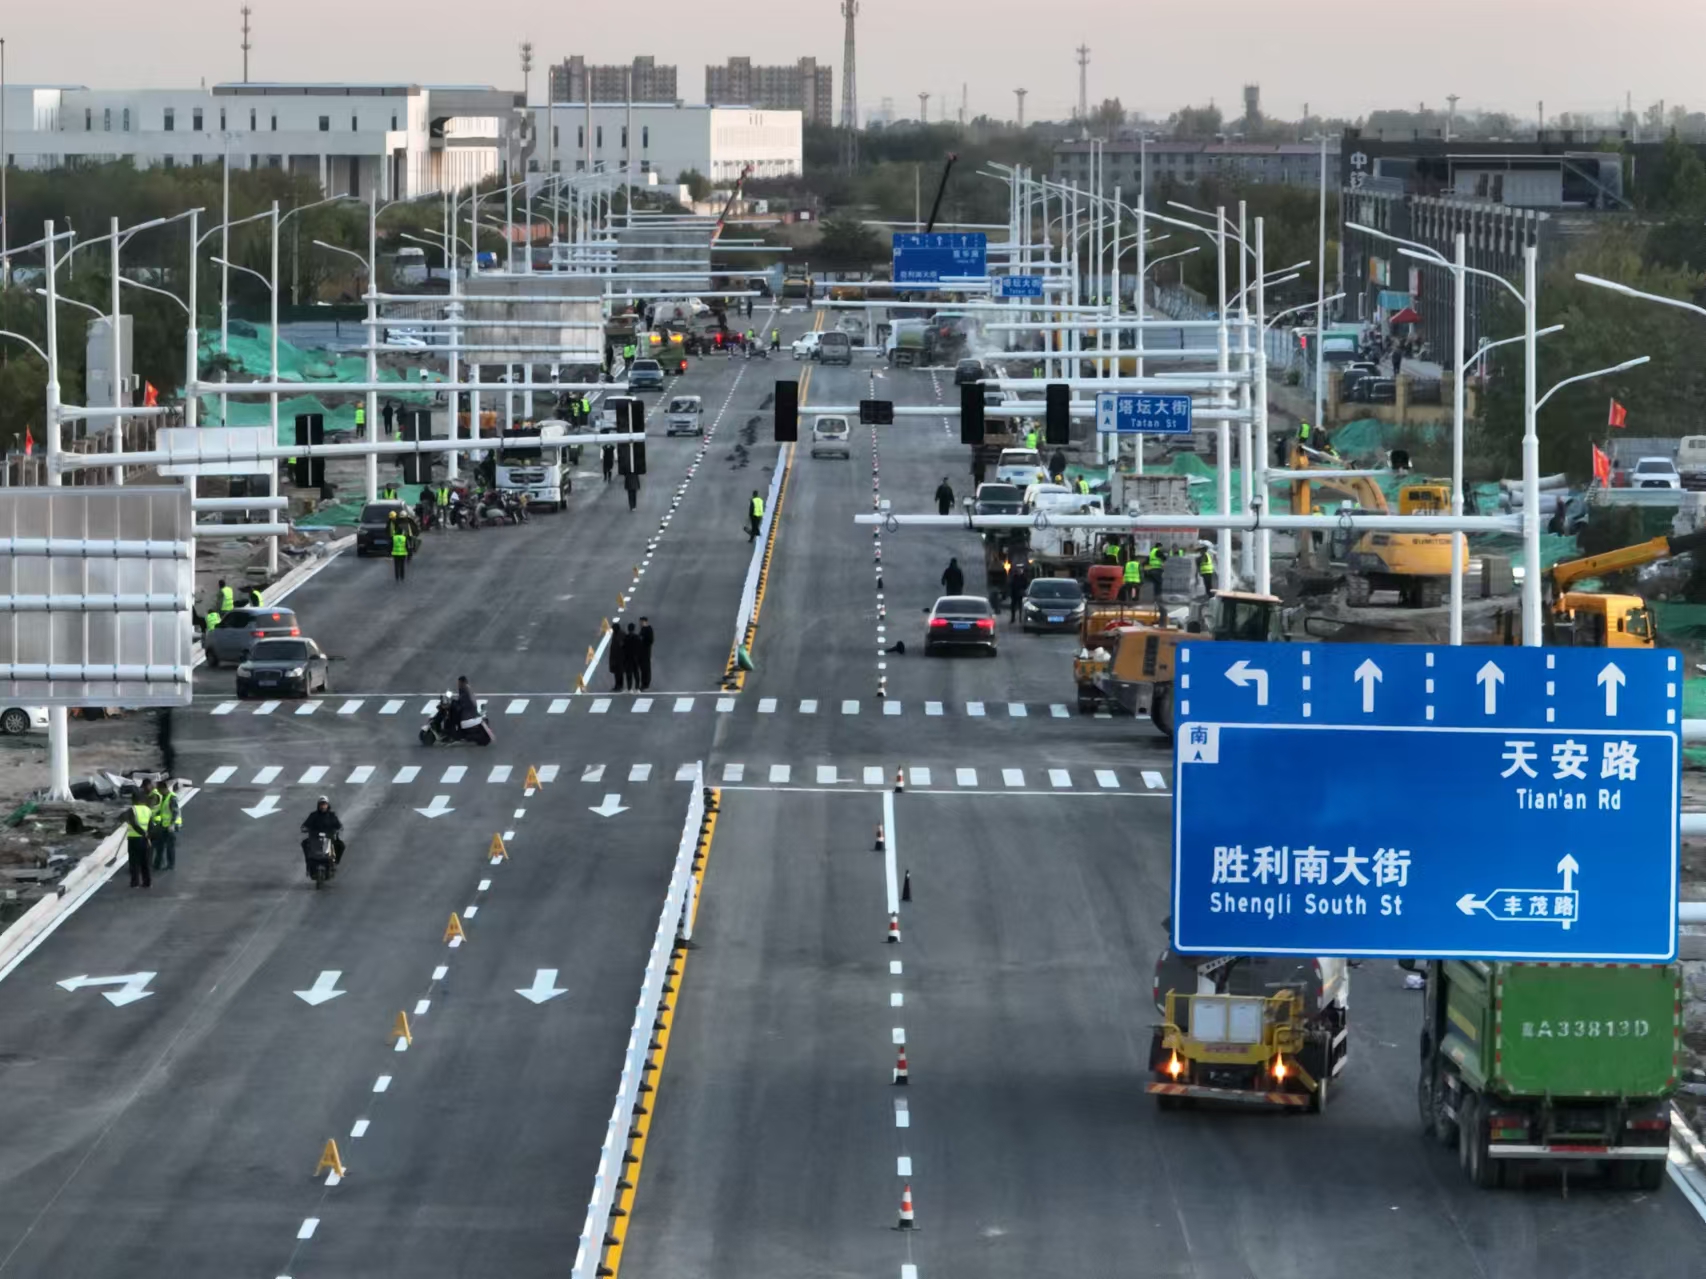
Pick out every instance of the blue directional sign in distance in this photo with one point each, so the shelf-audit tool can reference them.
(1405, 800)
(1142, 414)
(923, 259)
(1018, 286)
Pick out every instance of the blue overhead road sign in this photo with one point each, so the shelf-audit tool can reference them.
(923, 259)
(1018, 286)
(1411, 801)
(1142, 414)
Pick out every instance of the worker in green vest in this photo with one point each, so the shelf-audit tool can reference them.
(1206, 567)
(628, 352)
(755, 516)
(227, 600)
(137, 820)
(1083, 486)
(163, 826)
(1111, 549)
(1031, 438)
(444, 497)
(1133, 579)
(209, 621)
(360, 417)
(1303, 433)
(1154, 566)
(399, 548)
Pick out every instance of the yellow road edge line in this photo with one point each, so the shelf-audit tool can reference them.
(642, 1124)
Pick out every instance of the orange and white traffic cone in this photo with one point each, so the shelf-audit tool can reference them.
(899, 781)
(900, 1068)
(906, 1222)
(894, 929)
(879, 845)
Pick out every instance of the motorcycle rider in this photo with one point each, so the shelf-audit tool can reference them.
(323, 821)
(468, 714)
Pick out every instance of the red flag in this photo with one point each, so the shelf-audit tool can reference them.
(150, 397)
(29, 442)
(1619, 416)
(1601, 467)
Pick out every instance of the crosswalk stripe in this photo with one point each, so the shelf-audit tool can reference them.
(224, 708)
(932, 708)
(920, 776)
(307, 708)
(594, 773)
(431, 705)
(874, 775)
(1154, 781)
(826, 775)
(779, 773)
(359, 774)
(685, 773)
(220, 775)
(1013, 776)
(312, 775)
(974, 709)
(266, 708)
(391, 707)
(640, 773)
(966, 776)
(725, 705)
(808, 706)
(1059, 778)
(641, 705)
(352, 706)
(499, 773)
(547, 773)
(600, 705)
(517, 706)
(849, 707)
(1106, 780)
(733, 772)
(1016, 710)
(683, 705)
(891, 708)
(453, 774)
(767, 706)
(266, 775)
(1058, 710)
(406, 774)
(558, 705)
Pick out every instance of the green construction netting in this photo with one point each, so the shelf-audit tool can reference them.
(249, 348)
(1694, 707)
(334, 514)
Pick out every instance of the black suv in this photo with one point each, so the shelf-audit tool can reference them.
(373, 530)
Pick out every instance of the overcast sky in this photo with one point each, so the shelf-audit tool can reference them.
(1342, 59)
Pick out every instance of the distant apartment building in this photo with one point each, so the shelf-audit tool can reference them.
(802, 86)
(571, 80)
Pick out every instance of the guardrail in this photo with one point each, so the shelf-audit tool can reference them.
(674, 928)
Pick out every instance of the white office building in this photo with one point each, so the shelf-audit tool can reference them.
(399, 140)
(670, 139)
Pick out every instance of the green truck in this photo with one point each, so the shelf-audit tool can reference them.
(1531, 1064)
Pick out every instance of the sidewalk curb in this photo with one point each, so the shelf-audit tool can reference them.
(1687, 1163)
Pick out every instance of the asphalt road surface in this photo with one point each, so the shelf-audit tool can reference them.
(177, 1133)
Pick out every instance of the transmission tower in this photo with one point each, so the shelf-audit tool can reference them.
(246, 45)
(1020, 95)
(526, 68)
(1084, 84)
(924, 108)
(849, 91)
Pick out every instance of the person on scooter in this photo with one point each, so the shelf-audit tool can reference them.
(467, 705)
(323, 821)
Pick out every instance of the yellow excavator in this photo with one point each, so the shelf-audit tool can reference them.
(1416, 565)
(1593, 619)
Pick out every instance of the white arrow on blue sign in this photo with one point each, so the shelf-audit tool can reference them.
(1381, 800)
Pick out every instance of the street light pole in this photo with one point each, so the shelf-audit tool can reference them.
(1460, 279)
(1321, 291)
(1223, 366)
(114, 346)
(58, 722)
(272, 397)
(1259, 428)
(1531, 629)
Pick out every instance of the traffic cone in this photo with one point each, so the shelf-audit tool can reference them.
(894, 929)
(878, 846)
(905, 1208)
(899, 781)
(906, 888)
(900, 1068)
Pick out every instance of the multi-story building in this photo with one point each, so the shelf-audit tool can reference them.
(1125, 163)
(396, 140)
(716, 142)
(573, 80)
(803, 86)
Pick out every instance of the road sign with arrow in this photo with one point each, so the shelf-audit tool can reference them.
(1412, 801)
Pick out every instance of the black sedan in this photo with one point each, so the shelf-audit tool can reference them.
(373, 529)
(284, 667)
(1052, 604)
(999, 499)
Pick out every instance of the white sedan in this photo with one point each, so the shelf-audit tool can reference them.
(806, 345)
(15, 720)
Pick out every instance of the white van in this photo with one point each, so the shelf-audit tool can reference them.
(1691, 458)
(1020, 468)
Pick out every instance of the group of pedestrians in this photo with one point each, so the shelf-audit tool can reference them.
(631, 655)
(151, 833)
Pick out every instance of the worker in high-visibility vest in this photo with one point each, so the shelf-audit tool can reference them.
(755, 516)
(1153, 568)
(227, 599)
(1031, 438)
(1205, 566)
(1133, 582)
(163, 826)
(399, 548)
(137, 821)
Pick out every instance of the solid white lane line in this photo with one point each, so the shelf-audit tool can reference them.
(891, 840)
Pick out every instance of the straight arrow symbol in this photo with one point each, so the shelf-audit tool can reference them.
(1368, 675)
(1568, 868)
(1489, 677)
(1611, 677)
(438, 808)
(610, 807)
(544, 987)
(323, 989)
(268, 804)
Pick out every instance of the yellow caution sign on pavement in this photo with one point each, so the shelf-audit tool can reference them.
(496, 851)
(329, 1161)
(400, 1028)
(453, 934)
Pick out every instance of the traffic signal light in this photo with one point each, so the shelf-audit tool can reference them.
(876, 412)
(971, 413)
(306, 472)
(787, 412)
(1057, 420)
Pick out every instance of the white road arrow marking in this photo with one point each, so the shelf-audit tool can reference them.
(323, 989)
(1243, 674)
(1611, 678)
(438, 808)
(610, 807)
(133, 986)
(1489, 677)
(268, 804)
(1368, 675)
(544, 987)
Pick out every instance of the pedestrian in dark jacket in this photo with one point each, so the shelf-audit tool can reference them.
(631, 658)
(1057, 465)
(609, 459)
(647, 635)
(631, 482)
(618, 671)
(944, 497)
(1017, 580)
(953, 580)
